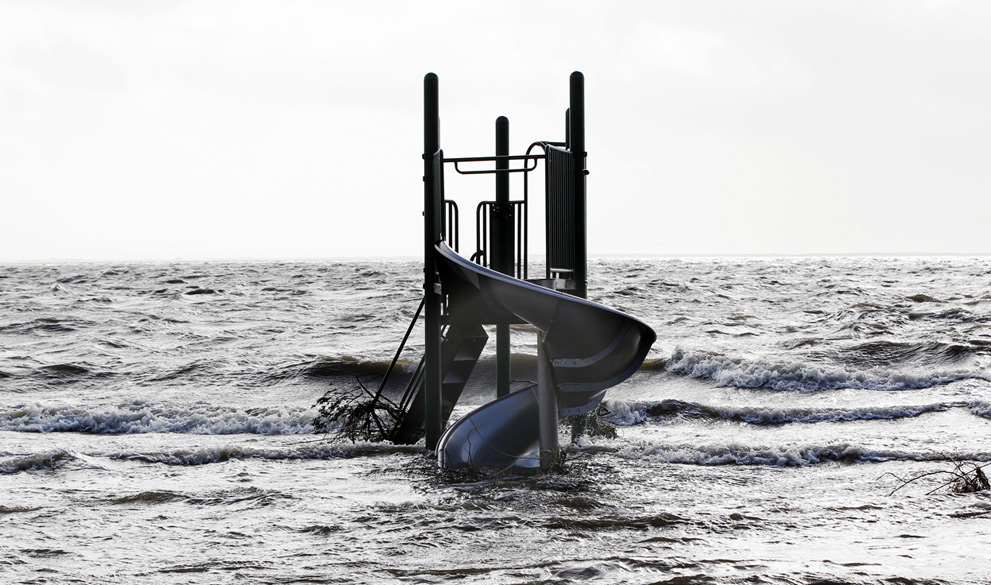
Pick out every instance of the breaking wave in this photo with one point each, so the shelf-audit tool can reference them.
(46, 461)
(187, 456)
(709, 455)
(144, 417)
(981, 409)
(344, 366)
(803, 377)
(628, 414)
(222, 453)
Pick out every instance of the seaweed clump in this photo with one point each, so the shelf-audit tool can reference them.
(355, 414)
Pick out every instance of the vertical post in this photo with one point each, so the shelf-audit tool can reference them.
(502, 226)
(567, 129)
(576, 138)
(502, 249)
(432, 233)
(546, 408)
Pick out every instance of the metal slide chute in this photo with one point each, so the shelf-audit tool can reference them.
(585, 349)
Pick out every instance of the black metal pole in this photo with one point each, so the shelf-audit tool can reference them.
(567, 128)
(502, 226)
(433, 226)
(502, 249)
(577, 141)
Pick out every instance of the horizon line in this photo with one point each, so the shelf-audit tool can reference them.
(399, 258)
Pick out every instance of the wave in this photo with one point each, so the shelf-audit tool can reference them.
(803, 377)
(17, 509)
(235, 496)
(981, 409)
(955, 314)
(876, 353)
(221, 453)
(143, 417)
(65, 370)
(319, 369)
(45, 325)
(344, 366)
(712, 455)
(63, 373)
(150, 497)
(703, 455)
(47, 461)
(628, 414)
(313, 450)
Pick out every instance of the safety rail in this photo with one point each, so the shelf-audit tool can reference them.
(452, 230)
(561, 213)
(497, 158)
(518, 213)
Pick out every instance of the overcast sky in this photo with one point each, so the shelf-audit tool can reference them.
(292, 129)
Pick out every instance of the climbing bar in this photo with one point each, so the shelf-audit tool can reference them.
(476, 159)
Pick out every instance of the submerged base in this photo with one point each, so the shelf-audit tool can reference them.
(503, 433)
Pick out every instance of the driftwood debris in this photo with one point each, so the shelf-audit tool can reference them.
(966, 477)
(355, 414)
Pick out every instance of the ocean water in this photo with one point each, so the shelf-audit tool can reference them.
(156, 427)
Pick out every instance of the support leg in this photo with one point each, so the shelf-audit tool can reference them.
(546, 408)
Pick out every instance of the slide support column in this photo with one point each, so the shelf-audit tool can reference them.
(576, 140)
(546, 408)
(433, 225)
(502, 247)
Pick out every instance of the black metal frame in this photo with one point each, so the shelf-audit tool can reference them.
(509, 240)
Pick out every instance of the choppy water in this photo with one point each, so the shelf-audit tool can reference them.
(156, 427)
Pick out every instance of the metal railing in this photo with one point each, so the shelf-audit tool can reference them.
(497, 158)
(518, 213)
(452, 230)
(561, 212)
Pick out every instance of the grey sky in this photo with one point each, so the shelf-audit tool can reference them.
(233, 129)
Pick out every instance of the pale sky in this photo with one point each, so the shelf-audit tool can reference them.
(140, 130)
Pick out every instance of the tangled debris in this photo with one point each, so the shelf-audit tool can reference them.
(598, 426)
(593, 424)
(966, 477)
(355, 414)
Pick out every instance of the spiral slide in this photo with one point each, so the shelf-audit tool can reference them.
(586, 348)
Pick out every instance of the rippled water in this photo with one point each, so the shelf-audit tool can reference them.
(156, 427)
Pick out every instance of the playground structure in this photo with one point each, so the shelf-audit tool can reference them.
(582, 348)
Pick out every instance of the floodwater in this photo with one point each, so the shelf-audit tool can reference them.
(156, 426)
